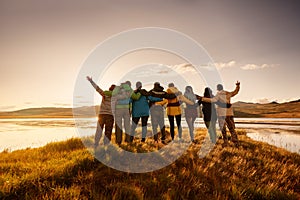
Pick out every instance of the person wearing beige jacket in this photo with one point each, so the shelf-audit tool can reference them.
(225, 111)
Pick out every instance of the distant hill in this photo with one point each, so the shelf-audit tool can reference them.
(44, 112)
(271, 110)
(241, 109)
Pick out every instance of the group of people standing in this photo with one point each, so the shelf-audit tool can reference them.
(120, 103)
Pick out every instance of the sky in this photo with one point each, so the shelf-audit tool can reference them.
(45, 43)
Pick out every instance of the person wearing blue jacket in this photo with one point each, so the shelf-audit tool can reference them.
(140, 110)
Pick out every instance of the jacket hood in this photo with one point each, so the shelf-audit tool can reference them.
(172, 90)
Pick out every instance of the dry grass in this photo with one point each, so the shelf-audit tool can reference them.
(67, 170)
(270, 110)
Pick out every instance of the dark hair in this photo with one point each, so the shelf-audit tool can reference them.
(219, 87)
(208, 93)
(128, 83)
(138, 84)
(158, 87)
(171, 85)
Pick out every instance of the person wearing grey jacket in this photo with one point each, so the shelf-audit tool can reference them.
(105, 117)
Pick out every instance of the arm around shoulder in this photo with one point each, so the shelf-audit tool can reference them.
(136, 96)
(186, 100)
(210, 100)
(161, 103)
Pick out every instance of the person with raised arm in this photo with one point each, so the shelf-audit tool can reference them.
(225, 111)
(105, 117)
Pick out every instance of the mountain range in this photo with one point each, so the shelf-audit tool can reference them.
(241, 109)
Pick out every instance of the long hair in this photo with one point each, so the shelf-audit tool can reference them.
(208, 93)
(189, 93)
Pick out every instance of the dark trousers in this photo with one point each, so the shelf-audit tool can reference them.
(104, 122)
(178, 122)
(229, 122)
(157, 119)
(135, 121)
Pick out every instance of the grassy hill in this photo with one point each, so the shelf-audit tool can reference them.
(48, 112)
(271, 110)
(241, 109)
(67, 170)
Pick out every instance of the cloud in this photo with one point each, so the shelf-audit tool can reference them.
(164, 71)
(266, 100)
(254, 66)
(7, 108)
(183, 68)
(180, 68)
(288, 100)
(262, 100)
(233, 63)
(223, 65)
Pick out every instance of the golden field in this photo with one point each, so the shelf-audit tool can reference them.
(67, 170)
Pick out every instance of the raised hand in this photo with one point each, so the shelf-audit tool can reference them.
(238, 83)
(89, 78)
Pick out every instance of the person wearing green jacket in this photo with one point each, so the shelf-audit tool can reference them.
(121, 95)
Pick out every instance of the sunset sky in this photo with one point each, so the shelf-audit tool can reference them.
(44, 44)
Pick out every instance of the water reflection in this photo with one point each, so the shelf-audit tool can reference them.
(24, 133)
(284, 140)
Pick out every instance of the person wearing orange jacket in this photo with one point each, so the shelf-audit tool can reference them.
(174, 110)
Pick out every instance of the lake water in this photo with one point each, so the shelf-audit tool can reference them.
(24, 133)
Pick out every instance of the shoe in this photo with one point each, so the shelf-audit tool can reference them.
(164, 142)
(143, 140)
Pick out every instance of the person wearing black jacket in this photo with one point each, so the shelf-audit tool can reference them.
(157, 112)
(209, 115)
